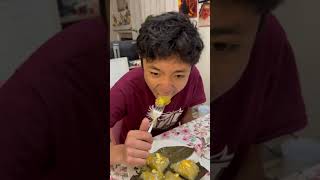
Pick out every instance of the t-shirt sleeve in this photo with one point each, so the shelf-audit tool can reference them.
(24, 131)
(117, 105)
(283, 111)
(198, 94)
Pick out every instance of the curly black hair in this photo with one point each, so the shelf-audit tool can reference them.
(169, 34)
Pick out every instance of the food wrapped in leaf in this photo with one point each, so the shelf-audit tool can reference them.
(172, 176)
(158, 161)
(163, 101)
(145, 168)
(186, 168)
(152, 175)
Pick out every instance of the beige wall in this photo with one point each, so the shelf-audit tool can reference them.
(204, 62)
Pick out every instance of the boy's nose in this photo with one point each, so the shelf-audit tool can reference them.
(166, 89)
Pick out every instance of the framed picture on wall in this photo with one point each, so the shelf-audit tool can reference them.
(188, 7)
(204, 14)
(72, 11)
(122, 5)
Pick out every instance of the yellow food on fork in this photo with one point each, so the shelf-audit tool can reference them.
(157, 110)
(163, 101)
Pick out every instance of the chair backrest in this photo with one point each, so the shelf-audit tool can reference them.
(118, 67)
(127, 48)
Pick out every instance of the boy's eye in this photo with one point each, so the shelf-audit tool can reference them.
(224, 47)
(180, 76)
(154, 73)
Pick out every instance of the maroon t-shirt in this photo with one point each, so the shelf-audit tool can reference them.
(53, 109)
(131, 100)
(265, 103)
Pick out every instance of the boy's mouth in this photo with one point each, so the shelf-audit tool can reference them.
(164, 95)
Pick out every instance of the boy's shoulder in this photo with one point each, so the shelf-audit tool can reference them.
(131, 82)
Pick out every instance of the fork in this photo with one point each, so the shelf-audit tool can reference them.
(155, 113)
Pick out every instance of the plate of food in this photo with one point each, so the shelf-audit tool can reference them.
(172, 160)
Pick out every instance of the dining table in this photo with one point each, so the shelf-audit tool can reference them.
(194, 134)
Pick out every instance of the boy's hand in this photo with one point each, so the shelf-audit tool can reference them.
(137, 145)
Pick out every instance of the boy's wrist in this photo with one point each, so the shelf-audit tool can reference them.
(116, 154)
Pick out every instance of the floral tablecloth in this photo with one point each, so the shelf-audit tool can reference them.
(195, 134)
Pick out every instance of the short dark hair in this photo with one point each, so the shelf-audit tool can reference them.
(168, 34)
(264, 6)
